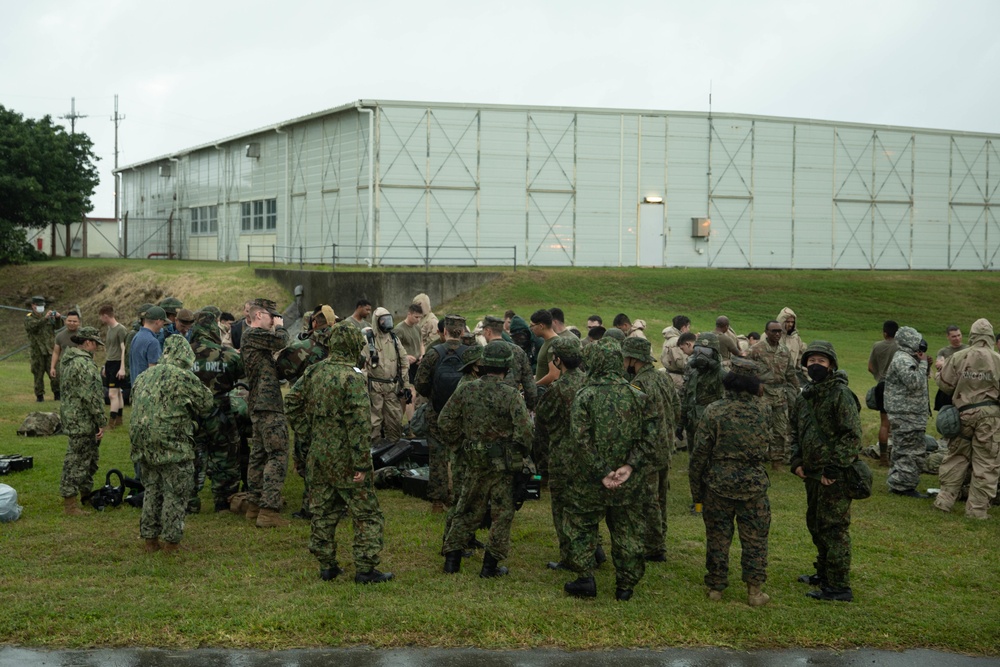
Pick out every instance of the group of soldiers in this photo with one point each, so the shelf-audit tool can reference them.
(507, 397)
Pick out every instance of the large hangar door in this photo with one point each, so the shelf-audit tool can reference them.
(550, 206)
(731, 193)
(650, 235)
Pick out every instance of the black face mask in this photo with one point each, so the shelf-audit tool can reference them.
(818, 372)
(630, 371)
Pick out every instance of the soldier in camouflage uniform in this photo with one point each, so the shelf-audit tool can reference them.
(657, 385)
(702, 382)
(437, 485)
(780, 380)
(908, 407)
(166, 401)
(826, 438)
(521, 377)
(217, 440)
(552, 432)
(488, 420)
(170, 306)
(83, 418)
(269, 449)
(728, 476)
(613, 428)
(41, 327)
(329, 405)
(471, 359)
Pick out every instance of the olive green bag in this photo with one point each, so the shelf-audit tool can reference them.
(859, 480)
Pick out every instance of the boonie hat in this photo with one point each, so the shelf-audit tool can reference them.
(87, 333)
(185, 316)
(471, 356)
(497, 354)
(566, 348)
(170, 304)
(637, 348)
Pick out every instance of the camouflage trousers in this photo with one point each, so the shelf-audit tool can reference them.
(654, 510)
(557, 489)
(753, 518)
(216, 456)
(627, 526)
(909, 452)
(40, 371)
(437, 482)
(483, 489)
(79, 465)
(329, 504)
(458, 464)
(780, 440)
(828, 518)
(386, 413)
(268, 459)
(300, 452)
(168, 490)
(978, 447)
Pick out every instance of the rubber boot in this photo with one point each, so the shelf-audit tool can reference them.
(582, 587)
(714, 595)
(756, 598)
(71, 507)
(883, 455)
(269, 518)
(253, 511)
(152, 544)
(169, 547)
(453, 562)
(490, 567)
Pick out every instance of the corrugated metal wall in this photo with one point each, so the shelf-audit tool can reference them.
(464, 184)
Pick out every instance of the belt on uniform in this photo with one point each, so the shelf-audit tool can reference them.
(383, 381)
(982, 404)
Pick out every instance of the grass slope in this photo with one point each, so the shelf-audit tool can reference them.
(922, 579)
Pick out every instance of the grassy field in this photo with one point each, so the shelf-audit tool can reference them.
(921, 578)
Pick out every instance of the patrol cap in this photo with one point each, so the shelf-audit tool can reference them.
(38, 300)
(820, 347)
(87, 333)
(497, 354)
(471, 356)
(744, 367)
(185, 316)
(453, 321)
(170, 304)
(270, 306)
(567, 349)
(492, 321)
(637, 348)
(154, 313)
(615, 334)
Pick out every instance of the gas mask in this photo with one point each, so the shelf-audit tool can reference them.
(385, 323)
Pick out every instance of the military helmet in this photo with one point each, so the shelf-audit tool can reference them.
(637, 348)
(497, 354)
(566, 348)
(948, 423)
(615, 333)
(472, 355)
(820, 347)
(708, 339)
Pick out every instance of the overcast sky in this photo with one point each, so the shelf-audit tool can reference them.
(190, 72)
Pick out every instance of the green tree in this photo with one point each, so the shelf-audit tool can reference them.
(46, 174)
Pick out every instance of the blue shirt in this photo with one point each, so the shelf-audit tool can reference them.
(144, 352)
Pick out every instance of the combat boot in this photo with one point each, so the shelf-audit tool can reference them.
(714, 595)
(833, 594)
(372, 576)
(490, 567)
(623, 594)
(252, 512)
(330, 573)
(55, 396)
(453, 562)
(583, 587)
(71, 507)
(170, 547)
(599, 556)
(269, 518)
(756, 598)
(302, 514)
(221, 505)
(40, 398)
(152, 544)
(883, 455)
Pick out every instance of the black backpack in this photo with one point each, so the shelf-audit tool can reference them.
(447, 374)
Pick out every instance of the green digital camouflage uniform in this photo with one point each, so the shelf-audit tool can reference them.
(702, 382)
(780, 380)
(329, 406)
(908, 407)
(660, 389)
(166, 401)
(728, 477)
(488, 420)
(552, 433)
(437, 484)
(826, 438)
(269, 449)
(82, 414)
(612, 424)
(217, 439)
(41, 337)
(456, 455)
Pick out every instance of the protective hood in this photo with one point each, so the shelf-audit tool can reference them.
(379, 312)
(981, 333)
(346, 343)
(517, 323)
(908, 339)
(670, 333)
(604, 359)
(424, 301)
(784, 315)
(205, 327)
(177, 352)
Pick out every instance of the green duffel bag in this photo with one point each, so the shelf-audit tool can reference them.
(948, 424)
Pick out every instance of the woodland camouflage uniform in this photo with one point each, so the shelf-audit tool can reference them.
(329, 407)
(217, 438)
(908, 407)
(269, 449)
(41, 338)
(82, 414)
(488, 420)
(612, 424)
(166, 401)
(826, 438)
(728, 476)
